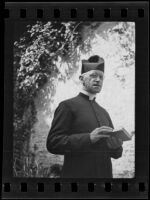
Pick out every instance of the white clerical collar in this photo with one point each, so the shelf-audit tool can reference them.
(91, 96)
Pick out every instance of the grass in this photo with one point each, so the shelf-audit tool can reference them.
(31, 168)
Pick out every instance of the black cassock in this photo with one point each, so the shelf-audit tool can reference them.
(69, 135)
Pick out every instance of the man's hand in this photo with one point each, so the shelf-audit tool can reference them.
(99, 133)
(114, 143)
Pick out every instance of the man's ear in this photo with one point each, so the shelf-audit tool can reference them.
(81, 78)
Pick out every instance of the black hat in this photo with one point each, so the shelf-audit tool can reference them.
(93, 63)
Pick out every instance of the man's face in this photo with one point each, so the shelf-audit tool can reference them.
(93, 81)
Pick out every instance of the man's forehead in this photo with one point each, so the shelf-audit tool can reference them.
(95, 72)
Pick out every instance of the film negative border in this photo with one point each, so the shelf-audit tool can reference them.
(65, 11)
(104, 188)
(75, 189)
(74, 13)
(75, 186)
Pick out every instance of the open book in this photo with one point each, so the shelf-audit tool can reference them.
(121, 133)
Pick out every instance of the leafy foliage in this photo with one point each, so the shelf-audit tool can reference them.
(126, 37)
(123, 35)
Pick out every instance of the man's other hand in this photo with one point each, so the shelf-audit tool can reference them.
(99, 133)
(114, 143)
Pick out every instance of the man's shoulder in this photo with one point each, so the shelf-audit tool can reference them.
(103, 109)
(70, 104)
(70, 100)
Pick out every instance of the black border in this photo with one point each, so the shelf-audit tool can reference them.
(141, 102)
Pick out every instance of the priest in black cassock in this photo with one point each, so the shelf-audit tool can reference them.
(79, 129)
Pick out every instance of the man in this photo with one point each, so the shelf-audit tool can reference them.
(79, 129)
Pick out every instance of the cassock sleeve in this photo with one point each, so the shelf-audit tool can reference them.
(114, 153)
(60, 140)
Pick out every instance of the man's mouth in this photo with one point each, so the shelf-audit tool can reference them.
(95, 85)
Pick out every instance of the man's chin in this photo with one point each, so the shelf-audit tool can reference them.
(93, 90)
(96, 91)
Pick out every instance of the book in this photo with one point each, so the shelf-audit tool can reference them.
(121, 134)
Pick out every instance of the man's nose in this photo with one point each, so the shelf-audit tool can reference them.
(98, 79)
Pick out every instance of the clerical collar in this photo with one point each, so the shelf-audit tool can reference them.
(89, 95)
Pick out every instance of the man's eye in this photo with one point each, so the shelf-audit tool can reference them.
(93, 75)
